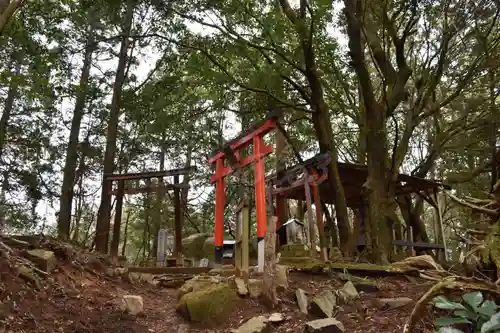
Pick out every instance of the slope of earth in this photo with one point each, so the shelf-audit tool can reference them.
(78, 296)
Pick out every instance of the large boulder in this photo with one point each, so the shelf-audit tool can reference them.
(192, 246)
(209, 304)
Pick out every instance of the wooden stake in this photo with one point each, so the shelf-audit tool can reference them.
(245, 239)
(178, 223)
(312, 233)
(270, 296)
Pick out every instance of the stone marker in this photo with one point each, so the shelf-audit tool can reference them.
(302, 300)
(132, 304)
(255, 288)
(241, 287)
(282, 276)
(393, 303)
(323, 304)
(254, 325)
(204, 262)
(327, 325)
(45, 260)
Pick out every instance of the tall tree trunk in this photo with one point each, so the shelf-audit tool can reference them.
(6, 12)
(281, 203)
(377, 184)
(4, 189)
(103, 215)
(9, 102)
(66, 199)
(321, 120)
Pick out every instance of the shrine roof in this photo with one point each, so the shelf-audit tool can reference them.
(353, 176)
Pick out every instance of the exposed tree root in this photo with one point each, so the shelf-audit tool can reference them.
(452, 282)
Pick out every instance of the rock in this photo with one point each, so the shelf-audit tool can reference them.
(302, 300)
(335, 254)
(347, 293)
(276, 318)
(45, 260)
(393, 303)
(132, 304)
(192, 246)
(208, 304)
(183, 328)
(361, 284)
(29, 275)
(241, 287)
(255, 288)
(323, 304)
(195, 284)
(327, 325)
(254, 325)
(282, 276)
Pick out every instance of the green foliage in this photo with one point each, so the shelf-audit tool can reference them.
(474, 312)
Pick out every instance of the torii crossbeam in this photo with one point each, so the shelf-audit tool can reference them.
(230, 153)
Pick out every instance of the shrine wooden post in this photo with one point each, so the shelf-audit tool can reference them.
(178, 222)
(115, 241)
(242, 241)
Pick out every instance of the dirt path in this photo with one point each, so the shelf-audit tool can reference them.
(77, 296)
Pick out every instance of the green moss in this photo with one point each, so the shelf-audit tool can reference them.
(301, 262)
(294, 250)
(208, 304)
(195, 284)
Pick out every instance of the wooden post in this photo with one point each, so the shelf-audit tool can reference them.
(238, 243)
(410, 249)
(439, 228)
(245, 239)
(178, 223)
(269, 293)
(115, 241)
(312, 233)
(319, 221)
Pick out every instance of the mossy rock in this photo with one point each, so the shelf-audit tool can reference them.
(294, 250)
(302, 262)
(207, 305)
(195, 284)
(192, 246)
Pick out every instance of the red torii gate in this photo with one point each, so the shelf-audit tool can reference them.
(231, 153)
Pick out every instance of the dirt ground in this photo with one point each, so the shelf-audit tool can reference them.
(82, 300)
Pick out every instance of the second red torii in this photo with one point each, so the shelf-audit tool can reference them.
(231, 153)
